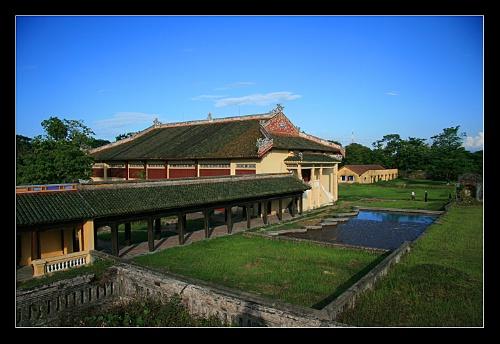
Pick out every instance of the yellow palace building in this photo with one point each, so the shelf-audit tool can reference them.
(253, 144)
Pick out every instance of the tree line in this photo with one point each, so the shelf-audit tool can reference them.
(444, 158)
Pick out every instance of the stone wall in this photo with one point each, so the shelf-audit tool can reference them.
(204, 299)
(44, 306)
(348, 298)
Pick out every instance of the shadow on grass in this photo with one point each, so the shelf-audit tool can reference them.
(346, 285)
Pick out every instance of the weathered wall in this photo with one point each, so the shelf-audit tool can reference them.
(228, 305)
(45, 306)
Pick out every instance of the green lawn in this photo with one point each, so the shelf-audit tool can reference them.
(439, 283)
(397, 194)
(298, 273)
(97, 268)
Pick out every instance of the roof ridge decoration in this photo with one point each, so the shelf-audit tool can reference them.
(264, 144)
(279, 123)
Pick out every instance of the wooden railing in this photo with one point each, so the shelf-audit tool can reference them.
(59, 263)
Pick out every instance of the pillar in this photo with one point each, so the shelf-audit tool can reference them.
(95, 239)
(249, 218)
(229, 220)
(158, 228)
(151, 238)
(206, 216)
(301, 205)
(299, 171)
(264, 213)
(280, 209)
(181, 227)
(114, 239)
(128, 233)
(88, 235)
(105, 175)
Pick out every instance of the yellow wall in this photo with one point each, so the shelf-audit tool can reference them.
(369, 176)
(68, 240)
(53, 245)
(25, 248)
(50, 244)
(88, 235)
(273, 162)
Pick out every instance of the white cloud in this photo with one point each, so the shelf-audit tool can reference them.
(238, 84)
(392, 93)
(257, 99)
(207, 97)
(122, 122)
(475, 143)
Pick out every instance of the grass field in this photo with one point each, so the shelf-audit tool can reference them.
(439, 283)
(302, 274)
(397, 194)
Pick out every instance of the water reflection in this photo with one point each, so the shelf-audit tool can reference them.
(394, 217)
(372, 229)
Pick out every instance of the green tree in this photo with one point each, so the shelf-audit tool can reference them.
(413, 154)
(94, 143)
(357, 154)
(59, 156)
(386, 151)
(336, 142)
(449, 157)
(124, 136)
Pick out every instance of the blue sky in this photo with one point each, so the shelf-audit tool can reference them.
(335, 75)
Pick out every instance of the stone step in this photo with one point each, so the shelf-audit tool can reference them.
(336, 219)
(313, 227)
(354, 213)
(284, 231)
(328, 223)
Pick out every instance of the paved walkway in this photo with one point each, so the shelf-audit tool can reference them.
(239, 225)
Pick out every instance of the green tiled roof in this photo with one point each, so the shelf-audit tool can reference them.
(299, 143)
(236, 139)
(41, 208)
(216, 140)
(311, 158)
(51, 207)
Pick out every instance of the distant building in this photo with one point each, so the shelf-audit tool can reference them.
(365, 174)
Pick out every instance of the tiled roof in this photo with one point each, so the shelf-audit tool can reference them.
(95, 201)
(225, 138)
(360, 169)
(305, 157)
(300, 143)
(232, 139)
(51, 207)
